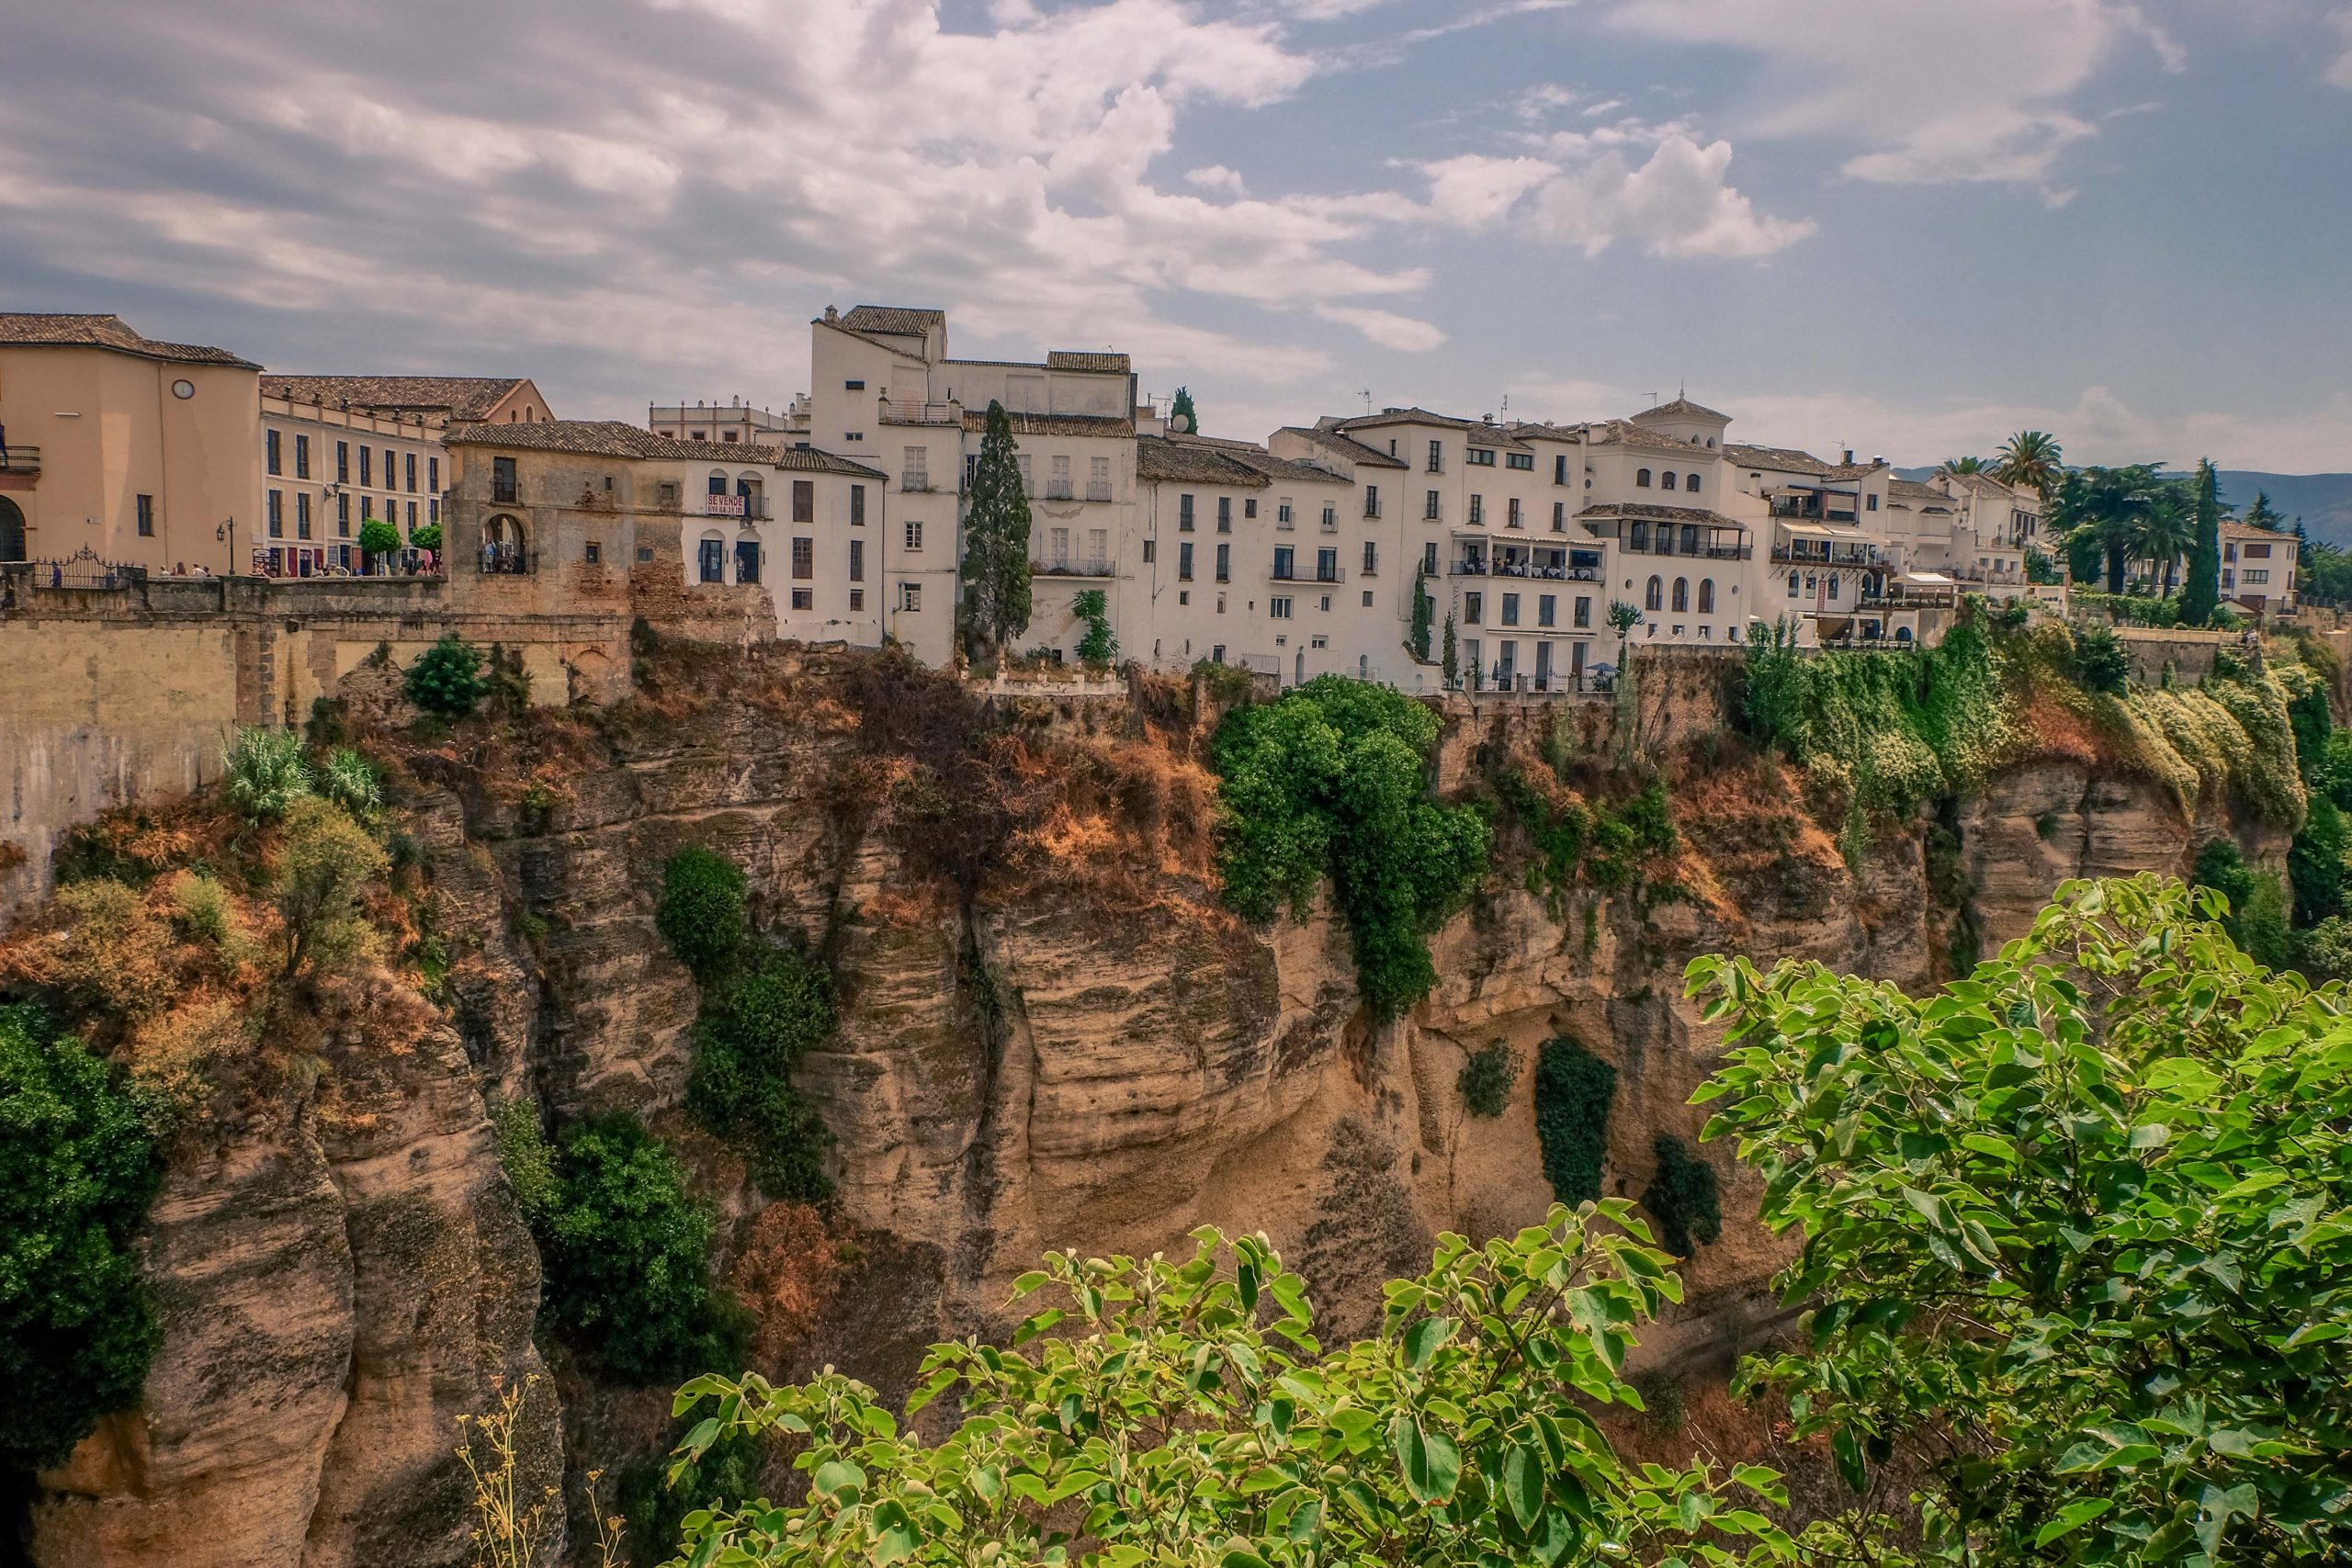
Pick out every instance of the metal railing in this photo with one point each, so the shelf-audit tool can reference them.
(1094, 566)
(82, 570)
(19, 459)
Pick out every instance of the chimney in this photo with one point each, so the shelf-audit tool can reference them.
(1849, 457)
(831, 314)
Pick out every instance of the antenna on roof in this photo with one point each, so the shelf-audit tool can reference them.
(1367, 401)
(1652, 400)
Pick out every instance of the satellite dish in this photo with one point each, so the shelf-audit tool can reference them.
(1181, 425)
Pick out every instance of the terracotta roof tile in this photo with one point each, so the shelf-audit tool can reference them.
(1642, 512)
(1185, 462)
(899, 320)
(613, 438)
(1347, 446)
(1078, 360)
(1682, 407)
(464, 397)
(107, 332)
(1056, 424)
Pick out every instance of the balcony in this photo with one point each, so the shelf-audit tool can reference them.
(1095, 567)
(1321, 573)
(1058, 490)
(906, 411)
(1372, 509)
(1838, 555)
(1098, 491)
(914, 481)
(1466, 569)
(19, 459)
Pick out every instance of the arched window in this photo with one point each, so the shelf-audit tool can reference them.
(1656, 598)
(719, 481)
(1681, 595)
(1666, 480)
(502, 546)
(1706, 596)
(1792, 585)
(1902, 634)
(12, 531)
(1641, 478)
(1691, 483)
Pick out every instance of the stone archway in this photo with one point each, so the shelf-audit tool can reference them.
(12, 530)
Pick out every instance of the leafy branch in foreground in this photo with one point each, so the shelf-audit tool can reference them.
(2077, 1237)
(1168, 1413)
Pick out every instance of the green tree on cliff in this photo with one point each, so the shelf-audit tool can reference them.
(2202, 591)
(2076, 1239)
(996, 543)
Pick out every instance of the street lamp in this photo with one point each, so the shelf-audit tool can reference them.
(227, 530)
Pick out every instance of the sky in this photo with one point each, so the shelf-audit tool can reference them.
(1909, 227)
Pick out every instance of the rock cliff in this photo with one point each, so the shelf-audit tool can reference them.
(1051, 1035)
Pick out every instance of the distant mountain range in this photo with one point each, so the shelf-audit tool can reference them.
(2322, 501)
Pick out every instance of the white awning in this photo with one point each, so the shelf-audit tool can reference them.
(1821, 531)
(1927, 580)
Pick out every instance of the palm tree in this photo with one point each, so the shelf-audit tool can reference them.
(2098, 513)
(1961, 465)
(2030, 457)
(2164, 530)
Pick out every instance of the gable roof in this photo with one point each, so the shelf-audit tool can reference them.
(1079, 359)
(1265, 462)
(900, 320)
(1347, 446)
(1624, 433)
(613, 438)
(1782, 459)
(2233, 529)
(1406, 416)
(1187, 462)
(1928, 496)
(464, 397)
(1642, 512)
(1056, 424)
(1682, 407)
(107, 330)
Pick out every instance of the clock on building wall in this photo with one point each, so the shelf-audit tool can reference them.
(182, 388)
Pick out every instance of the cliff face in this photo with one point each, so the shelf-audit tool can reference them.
(1053, 1039)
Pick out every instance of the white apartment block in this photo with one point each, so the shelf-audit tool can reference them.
(337, 450)
(1298, 558)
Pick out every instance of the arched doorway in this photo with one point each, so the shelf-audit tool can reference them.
(501, 545)
(1298, 668)
(12, 531)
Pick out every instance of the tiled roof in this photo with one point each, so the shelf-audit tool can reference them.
(1929, 496)
(1495, 436)
(1078, 360)
(107, 332)
(1265, 462)
(1781, 459)
(897, 320)
(1620, 432)
(1347, 446)
(612, 438)
(1054, 423)
(1641, 512)
(2232, 529)
(1407, 416)
(1682, 407)
(1186, 462)
(465, 397)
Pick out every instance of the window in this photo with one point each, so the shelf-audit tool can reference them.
(1371, 500)
(301, 456)
(1792, 585)
(1020, 461)
(914, 469)
(730, 435)
(1706, 596)
(1250, 506)
(412, 517)
(1282, 514)
(595, 552)
(1367, 598)
(1654, 598)
(1428, 509)
(911, 596)
(1691, 484)
(1098, 479)
(302, 514)
(711, 559)
(1058, 480)
(432, 476)
(1584, 611)
(1330, 515)
(411, 485)
(1477, 510)
(1870, 502)
(913, 534)
(1639, 538)
(1641, 478)
(1429, 558)
(1681, 595)
(2252, 576)
(1327, 566)
(1098, 549)
(1514, 520)
(342, 462)
(1057, 542)
(1559, 517)
(857, 598)
(1184, 513)
(1224, 562)
(1151, 551)
(1479, 457)
(1224, 514)
(857, 506)
(644, 554)
(1666, 480)
(501, 476)
(1548, 610)
(343, 516)
(1511, 609)
(146, 516)
(802, 598)
(857, 561)
(391, 459)
(804, 557)
(1472, 606)
(1282, 560)
(1833, 585)
(1185, 561)
(1519, 459)
(1560, 469)
(367, 466)
(1371, 559)
(1278, 609)
(858, 386)
(1437, 457)
(269, 445)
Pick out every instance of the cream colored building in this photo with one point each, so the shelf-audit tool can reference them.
(337, 450)
(139, 452)
(733, 422)
(2258, 568)
(808, 525)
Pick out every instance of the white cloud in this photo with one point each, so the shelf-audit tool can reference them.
(2339, 73)
(1931, 90)
(1674, 204)
(1385, 328)
(1215, 178)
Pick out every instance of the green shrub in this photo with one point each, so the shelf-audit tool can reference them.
(756, 1024)
(445, 680)
(1333, 780)
(265, 772)
(2101, 661)
(2315, 866)
(1097, 646)
(526, 1156)
(77, 1168)
(627, 1256)
(1226, 684)
(325, 860)
(1573, 1092)
(2312, 724)
(425, 537)
(1682, 1198)
(701, 913)
(654, 1507)
(1485, 1080)
(351, 781)
(378, 538)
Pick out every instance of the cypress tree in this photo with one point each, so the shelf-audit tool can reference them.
(2203, 590)
(1419, 640)
(996, 543)
(1181, 408)
(1452, 665)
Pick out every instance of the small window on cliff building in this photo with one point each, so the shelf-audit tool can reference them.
(644, 554)
(595, 552)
